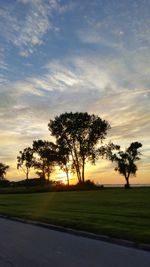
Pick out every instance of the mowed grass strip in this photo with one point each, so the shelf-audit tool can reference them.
(115, 212)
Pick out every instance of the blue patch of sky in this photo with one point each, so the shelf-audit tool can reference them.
(66, 42)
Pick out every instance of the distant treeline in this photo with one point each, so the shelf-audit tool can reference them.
(35, 185)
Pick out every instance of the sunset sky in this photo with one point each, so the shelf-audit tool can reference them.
(75, 55)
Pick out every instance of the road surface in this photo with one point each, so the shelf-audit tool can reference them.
(25, 245)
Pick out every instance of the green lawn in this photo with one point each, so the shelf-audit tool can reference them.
(112, 211)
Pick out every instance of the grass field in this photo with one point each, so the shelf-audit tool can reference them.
(115, 212)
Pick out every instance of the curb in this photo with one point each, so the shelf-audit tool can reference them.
(105, 238)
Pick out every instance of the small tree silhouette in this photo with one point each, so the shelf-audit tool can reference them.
(45, 157)
(25, 160)
(3, 170)
(126, 161)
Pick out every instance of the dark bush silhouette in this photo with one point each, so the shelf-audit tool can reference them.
(4, 183)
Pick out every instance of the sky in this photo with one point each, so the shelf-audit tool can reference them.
(59, 56)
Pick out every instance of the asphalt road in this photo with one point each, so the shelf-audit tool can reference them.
(24, 245)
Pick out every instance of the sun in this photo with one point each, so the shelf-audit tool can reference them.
(60, 176)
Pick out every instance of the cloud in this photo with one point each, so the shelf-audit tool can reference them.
(120, 25)
(28, 31)
(3, 67)
(3, 64)
(85, 84)
(77, 84)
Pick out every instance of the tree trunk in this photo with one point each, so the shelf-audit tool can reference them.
(127, 185)
(67, 175)
(77, 170)
(48, 174)
(79, 173)
(76, 161)
(43, 173)
(83, 164)
(27, 174)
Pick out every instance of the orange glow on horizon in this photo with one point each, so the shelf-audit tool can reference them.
(101, 173)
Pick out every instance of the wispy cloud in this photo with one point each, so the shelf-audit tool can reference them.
(27, 32)
(3, 64)
(82, 84)
(119, 27)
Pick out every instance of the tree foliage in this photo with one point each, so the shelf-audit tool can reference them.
(25, 161)
(79, 133)
(107, 150)
(45, 157)
(125, 161)
(3, 170)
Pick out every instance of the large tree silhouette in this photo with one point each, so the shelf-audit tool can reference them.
(79, 133)
(125, 161)
(3, 170)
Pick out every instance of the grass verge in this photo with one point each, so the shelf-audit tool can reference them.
(115, 212)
